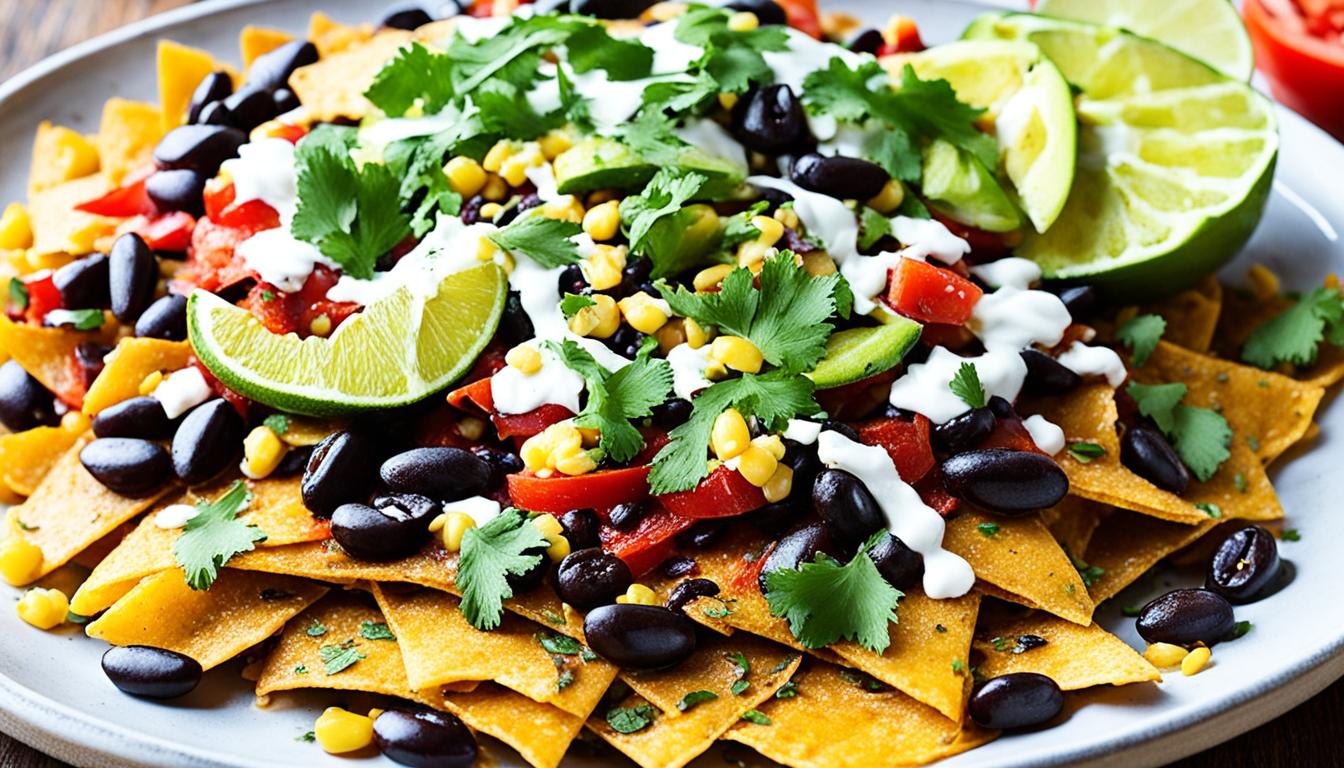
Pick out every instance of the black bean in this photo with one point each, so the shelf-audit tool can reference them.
(801, 546)
(1006, 481)
(24, 402)
(1016, 700)
(846, 178)
(132, 273)
(865, 40)
(1245, 565)
(378, 534)
(635, 278)
(138, 417)
(199, 147)
(843, 502)
(502, 463)
(215, 113)
(767, 11)
(672, 413)
(91, 359)
(770, 120)
(83, 283)
(627, 517)
(251, 106)
(208, 440)
(405, 16)
(126, 466)
(294, 462)
(165, 319)
(425, 739)
(272, 70)
(964, 432)
(901, 566)
(154, 673)
(639, 636)
(285, 100)
(215, 86)
(1001, 408)
(515, 326)
(703, 534)
(610, 9)
(179, 190)
(840, 427)
(689, 590)
(775, 519)
(581, 527)
(1046, 376)
(589, 578)
(1186, 617)
(533, 577)
(1146, 453)
(340, 471)
(440, 473)
(409, 504)
(1080, 300)
(678, 566)
(547, 6)
(626, 342)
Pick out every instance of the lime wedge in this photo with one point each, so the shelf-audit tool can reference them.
(1032, 109)
(858, 353)
(1208, 30)
(1175, 160)
(397, 351)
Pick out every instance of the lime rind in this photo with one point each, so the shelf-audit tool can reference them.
(855, 354)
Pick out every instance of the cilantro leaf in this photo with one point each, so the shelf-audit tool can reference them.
(414, 73)
(630, 719)
(214, 535)
(665, 193)
(1085, 453)
(988, 530)
(825, 601)
(317, 629)
(616, 398)
(376, 630)
(1158, 401)
(572, 303)
(756, 717)
(966, 385)
(505, 546)
(277, 423)
(562, 645)
(1295, 335)
(651, 136)
(731, 59)
(738, 228)
(695, 697)
(873, 226)
(18, 293)
(511, 56)
(541, 239)
(594, 48)
(1141, 335)
(1201, 436)
(418, 163)
(338, 658)
(1090, 574)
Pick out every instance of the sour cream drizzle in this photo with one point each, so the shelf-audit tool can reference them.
(924, 388)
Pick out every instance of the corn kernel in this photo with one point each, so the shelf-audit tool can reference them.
(696, 336)
(665, 11)
(495, 157)
(757, 465)
(514, 168)
(591, 436)
(638, 594)
(752, 255)
(771, 444)
(583, 322)
(788, 217)
(495, 190)
(20, 561)
(1195, 661)
(262, 453)
(471, 427)
(603, 221)
(1165, 655)
(737, 353)
(16, 228)
(600, 196)
(555, 143)
(743, 21)
(730, 436)
(486, 250)
(770, 228)
(671, 335)
(599, 321)
(1264, 283)
(644, 313)
(466, 177)
(44, 608)
(889, 199)
(709, 278)
(320, 326)
(525, 358)
(819, 264)
(716, 371)
(558, 550)
(491, 210)
(548, 525)
(451, 527)
(75, 422)
(564, 208)
(603, 268)
(578, 464)
(339, 731)
(780, 484)
(728, 100)
(151, 383)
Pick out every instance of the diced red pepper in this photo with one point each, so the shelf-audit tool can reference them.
(477, 393)
(560, 493)
(725, 493)
(907, 442)
(1012, 434)
(856, 400)
(902, 36)
(43, 296)
(211, 263)
(295, 312)
(933, 493)
(803, 16)
(930, 294)
(240, 403)
(288, 132)
(162, 232)
(644, 548)
(253, 215)
(130, 199)
(533, 422)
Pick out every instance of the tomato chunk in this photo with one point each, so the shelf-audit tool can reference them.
(130, 199)
(644, 548)
(907, 442)
(930, 294)
(602, 489)
(162, 232)
(725, 493)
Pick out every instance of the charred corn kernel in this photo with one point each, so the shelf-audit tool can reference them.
(737, 353)
(757, 465)
(320, 326)
(1165, 655)
(16, 228)
(780, 484)
(890, 198)
(710, 277)
(838, 26)
(602, 222)
(471, 427)
(451, 527)
(788, 217)
(600, 196)
(20, 561)
(743, 21)
(555, 143)
(466, 177)
(645, 313)
(495, 157)
(525, 358)
(578, 464)
(730, 436)
(603, 268)
(1195, 661)
(564, 208)
(696, 336)
(262, 453)
(583, 322)
(151, 383)
(728, 100)
(771, 444)
(671, 335)
(819, 264)
(44, 608)
(75, 422)
(339, 731)
(638, 594)
(1264, 283)
(491, 210)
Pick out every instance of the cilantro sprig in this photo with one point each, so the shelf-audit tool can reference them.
(541, 239)
(664, 195)
(825, 602)
(614, 399)
(1141, 334)
(1201, 436)
(966, 385)
(1295, 335)
(505, 546)
(214, 535)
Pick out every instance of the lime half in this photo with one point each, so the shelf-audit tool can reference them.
(1032, 109)
(858, 353)
(1209, 30)
(399, 350)
(1175, 160)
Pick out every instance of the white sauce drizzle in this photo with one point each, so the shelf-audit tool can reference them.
(1094, 361)
(867, 276)
(923, 238)
(1012, 272)
(825, 218)
(1046, 434)
(802, 431)
(182, 391)
(924, 387)
(711, 138)
(1011, 319)
(554, 384)
(281, 259)
(175, 516)
(688, 369)
(264, 170)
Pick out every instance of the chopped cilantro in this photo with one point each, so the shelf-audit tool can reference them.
(25, 526)
(1085, 453)
(418, 162)
(739, 660)
(561, 644)
(695, 697)
(1253, 442)
(592, 47)
(554, 618)
(505, 546)
(755, 716)
(1001, 644)
(376, 630)
(338, 658)
(787, 690)
(966, 385)
(1212, 510)
(1090, 574)
(301, 670)
(277, 423)
(721, 612)
(738, 229)
(1295, 335)
(825, 601)
(1240, 630)
(616, 398)
(958, 666)
(1199, 435)
(214, 535)
(79, 319)
(739, 687)
(1291, 534)
(987, 530)
(873, 226)
(317, 629)
(415, 74)
(1141, 335)
(18, 293)
(564, 679)
(308, 737)
(74, 618)
(630, 719)
(862, 680)
(541, 239)
(664, 195)
(572, 303)
(267, 296)
(1131, 610)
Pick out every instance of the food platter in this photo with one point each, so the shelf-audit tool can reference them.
(53, 696)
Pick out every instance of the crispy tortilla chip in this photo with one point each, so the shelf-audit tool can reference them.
(1020, 557)
(334, 87)
(127, 367)
(180, 69)
(1073, 521)
(70, 510)
(331, 36)
(27, 457)
(833, 723)
(429, 621)
(1191, 315)
(211, 626)
(1246, 311)
(126, 137)
(1074, 656)
(47, 353)
(256, 41)
(1126, 545)
(540, 732)
(58, 227)
(59, 155)
(675, 738)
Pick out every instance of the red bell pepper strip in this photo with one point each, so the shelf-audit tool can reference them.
(902, 36)
(533, 422)
(933, 493)
(803, 16)
(560, 493)
(162, 232)
(130, 199)
(930, 294)
(906, 442)
(43, 296)
(725, 493)
(646, 547)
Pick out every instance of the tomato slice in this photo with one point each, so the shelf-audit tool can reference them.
(162, 232)
(725, 493)
(597, 490)
(1305, 71)
(43, 296)
(533, 422)
(930, 294)
(646, 547)
(130, 199)
(803, 16)
(907, 442)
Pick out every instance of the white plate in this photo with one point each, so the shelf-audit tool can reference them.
(54, 696)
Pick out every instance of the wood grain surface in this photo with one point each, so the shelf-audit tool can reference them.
(1309, 736)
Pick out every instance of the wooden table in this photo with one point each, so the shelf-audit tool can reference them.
(32, 29)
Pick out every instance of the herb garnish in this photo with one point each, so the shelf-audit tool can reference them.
(505, 546)
(1199, 435)
(825, 601)
(214, 535)
(1141, 334)
(338, 658)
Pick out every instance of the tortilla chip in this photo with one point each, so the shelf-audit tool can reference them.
(334, 86)
(1126, 545)
(1246, 311)
(428, 622)
(1074, 656)
(46, 353)
(70, 510)
(130, 363)
(331, 36)
(27, 457)
(126, 137)
(1073, 521)
(540, 732)
(59, 228)
(1191, 315)
(59, 155)
(211, 626)
(834, 723)
(1022, 558)
(256, 41)
(180, 69)
(675, 738)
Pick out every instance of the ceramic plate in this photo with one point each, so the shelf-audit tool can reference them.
(54, 696)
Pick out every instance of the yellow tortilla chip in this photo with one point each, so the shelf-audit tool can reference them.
(27, 457)
(334, 87)
(1073, 521)
(1020, 556)
(331, 36)
(180, 69)
(60, 229)
(674, 738)
(1074, 656)
(540, 732)
(256, 41)
(46, 353)
(833, 723)
(1126, 545)
(1246, 311)
(429, 621)
(212, 625)
(126, 137)
(59, 155)
(1191, 315)
(130, 363)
